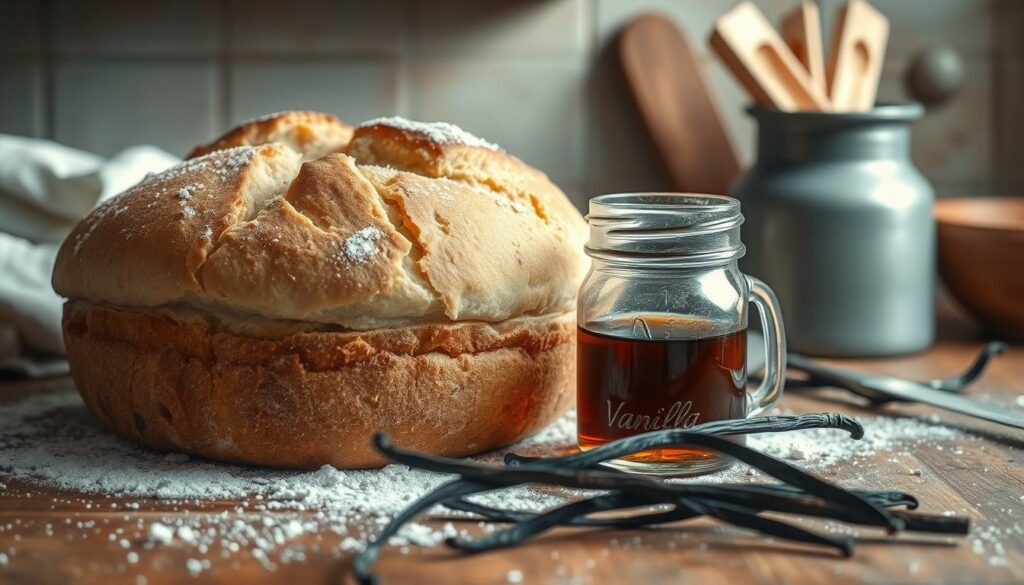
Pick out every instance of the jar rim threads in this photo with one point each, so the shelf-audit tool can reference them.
(656, 229)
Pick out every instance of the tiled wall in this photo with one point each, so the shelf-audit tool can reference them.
(538, 77)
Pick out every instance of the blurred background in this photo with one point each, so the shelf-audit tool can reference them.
(538, 77)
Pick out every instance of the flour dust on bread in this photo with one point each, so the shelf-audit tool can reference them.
(289, 291)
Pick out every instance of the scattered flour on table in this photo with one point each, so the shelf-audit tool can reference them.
(50, 439)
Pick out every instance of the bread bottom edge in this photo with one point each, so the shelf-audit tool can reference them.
(315, 399)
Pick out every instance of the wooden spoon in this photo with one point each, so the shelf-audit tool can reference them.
(676, 105)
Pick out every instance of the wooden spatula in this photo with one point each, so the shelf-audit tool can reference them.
(761, 61)
(855, 59)
(801, 29)
(677, 107)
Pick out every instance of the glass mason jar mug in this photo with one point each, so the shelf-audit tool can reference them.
(663, 326)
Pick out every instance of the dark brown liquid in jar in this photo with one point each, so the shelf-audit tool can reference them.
(634, 377)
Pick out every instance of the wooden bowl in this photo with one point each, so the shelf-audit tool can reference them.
(981, 258)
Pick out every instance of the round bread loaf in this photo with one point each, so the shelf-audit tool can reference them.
(298, 286)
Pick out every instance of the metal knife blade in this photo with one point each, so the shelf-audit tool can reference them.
(912, 392)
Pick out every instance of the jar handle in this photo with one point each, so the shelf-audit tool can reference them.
(768, 393)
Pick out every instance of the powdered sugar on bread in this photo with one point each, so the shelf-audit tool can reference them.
(439, 132)
(362, 245)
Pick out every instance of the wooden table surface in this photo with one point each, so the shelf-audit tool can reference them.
(983, 478)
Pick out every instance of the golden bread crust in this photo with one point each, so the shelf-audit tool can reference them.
(385, 145)
(312, 133)
(146, 246)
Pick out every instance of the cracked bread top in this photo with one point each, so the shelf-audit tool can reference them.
(314, 134)
(408, 223)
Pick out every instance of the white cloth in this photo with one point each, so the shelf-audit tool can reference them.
(45, 188)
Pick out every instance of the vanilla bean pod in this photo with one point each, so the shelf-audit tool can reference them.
(718, 499)
(537, 523)
(677, 437)
(487, 512)
(758, 498)
(686, 508)
(881, 498)
(738, 516)
(476, 478)
(738, 504)
(362, 564)
(805, 504)
(635, 521)
(764, 498)
(605, 480)
(574, 515)
(914, 522)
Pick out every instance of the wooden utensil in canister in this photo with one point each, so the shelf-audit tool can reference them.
(801, 29)
(855, 59)
(756, 54)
